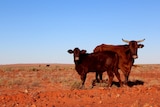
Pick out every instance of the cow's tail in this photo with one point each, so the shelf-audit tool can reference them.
(116, 60)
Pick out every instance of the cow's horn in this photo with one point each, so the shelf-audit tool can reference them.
(125, 40)
(140, 40)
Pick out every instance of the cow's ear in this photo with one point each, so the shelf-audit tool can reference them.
(140, 45)
(83, 51)
(70, 51)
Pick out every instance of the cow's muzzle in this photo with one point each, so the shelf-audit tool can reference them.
(76, 58)
(134, 56)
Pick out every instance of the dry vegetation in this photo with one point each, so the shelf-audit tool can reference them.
(55, 85)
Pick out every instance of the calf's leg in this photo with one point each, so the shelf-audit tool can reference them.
(83, 78)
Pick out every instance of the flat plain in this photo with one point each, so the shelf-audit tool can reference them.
(57, 85)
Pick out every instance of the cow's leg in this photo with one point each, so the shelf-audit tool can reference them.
(100, 77)
(126, 73)
(118, 77)
(126, 79)
(83, 78)
(97, 74)
(96, 80)
(110, 76)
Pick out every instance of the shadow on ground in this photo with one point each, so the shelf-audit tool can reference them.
(136, 82)
(130, 83)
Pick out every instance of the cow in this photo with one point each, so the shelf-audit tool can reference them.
(96, 62)
(127, 53)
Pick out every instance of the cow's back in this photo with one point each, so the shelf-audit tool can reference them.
(115, 48)
(121, 50)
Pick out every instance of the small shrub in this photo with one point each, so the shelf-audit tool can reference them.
(34, 69)
(8, 69)
(76, 85)
(18, 81)
(2, 81)
(35, 84)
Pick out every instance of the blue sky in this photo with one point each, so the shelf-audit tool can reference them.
(41, 31)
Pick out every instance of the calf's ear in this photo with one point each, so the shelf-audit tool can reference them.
(140, 45)
(83, 51)
(70, 51)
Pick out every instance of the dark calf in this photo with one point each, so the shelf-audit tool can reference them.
(96, 62)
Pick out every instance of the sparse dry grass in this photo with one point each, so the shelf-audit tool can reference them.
(31, 76)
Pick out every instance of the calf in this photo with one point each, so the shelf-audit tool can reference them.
(96, 62)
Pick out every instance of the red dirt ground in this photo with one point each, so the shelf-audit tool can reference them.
(57, 85)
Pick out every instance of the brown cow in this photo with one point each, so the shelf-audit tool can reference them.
(126, 53)
(96, 62)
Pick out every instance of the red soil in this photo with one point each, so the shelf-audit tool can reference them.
(57, 86)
